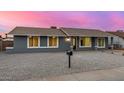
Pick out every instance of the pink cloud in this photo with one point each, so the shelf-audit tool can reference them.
(117, 20)
(97, 20)
(21, 18)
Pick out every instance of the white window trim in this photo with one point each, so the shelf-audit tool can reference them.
(84, 46)
(100, 46)
(43, 46)
(33, 47)
(52, 46)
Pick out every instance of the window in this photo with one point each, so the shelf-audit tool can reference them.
(42, 42)
(85, 42)
(101, 42)
(53, 42)
(33, 41)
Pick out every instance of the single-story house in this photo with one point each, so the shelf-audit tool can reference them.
(118, 39)
(32, 39)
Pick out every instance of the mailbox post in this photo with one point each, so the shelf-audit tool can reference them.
(69, 62)
(112, 48)
(69, 53)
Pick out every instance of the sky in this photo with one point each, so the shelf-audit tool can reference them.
(106, 21)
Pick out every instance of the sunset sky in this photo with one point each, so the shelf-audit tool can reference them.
(106, 21)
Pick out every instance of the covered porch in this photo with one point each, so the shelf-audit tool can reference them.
(89, 43)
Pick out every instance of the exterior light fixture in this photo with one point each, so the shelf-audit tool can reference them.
(68, 39)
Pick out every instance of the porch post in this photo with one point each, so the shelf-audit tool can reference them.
(95, 43)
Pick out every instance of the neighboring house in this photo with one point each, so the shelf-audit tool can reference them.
(118, 39)
(31, 39)
(0, 43)
(8, 38)
(6, 42)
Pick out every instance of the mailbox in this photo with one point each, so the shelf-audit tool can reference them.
(69, 53)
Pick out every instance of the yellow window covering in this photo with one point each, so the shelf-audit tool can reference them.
(101, 42)
(30, 41)
(52, 41)
(85, 41)
(33, 41)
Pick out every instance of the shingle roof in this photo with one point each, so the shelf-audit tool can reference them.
(120, 34)
(84, 32)
(36, 31)
(58, 32)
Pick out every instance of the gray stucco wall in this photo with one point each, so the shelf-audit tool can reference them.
(20, 45)
(43, 41)
(106, 42)
(20, 42)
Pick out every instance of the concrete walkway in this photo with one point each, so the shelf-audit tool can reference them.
(116, 74)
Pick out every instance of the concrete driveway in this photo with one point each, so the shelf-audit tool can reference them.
(116, 74)
(36, 66)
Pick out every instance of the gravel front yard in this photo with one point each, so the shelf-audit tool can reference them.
(28, 66)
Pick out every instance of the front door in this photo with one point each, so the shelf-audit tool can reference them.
(74, 43)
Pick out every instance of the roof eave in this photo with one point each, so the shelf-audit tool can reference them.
(33, 35)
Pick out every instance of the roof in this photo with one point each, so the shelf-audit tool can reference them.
(120, 34)
(58, 32)
(36, 31)
(85, 32)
